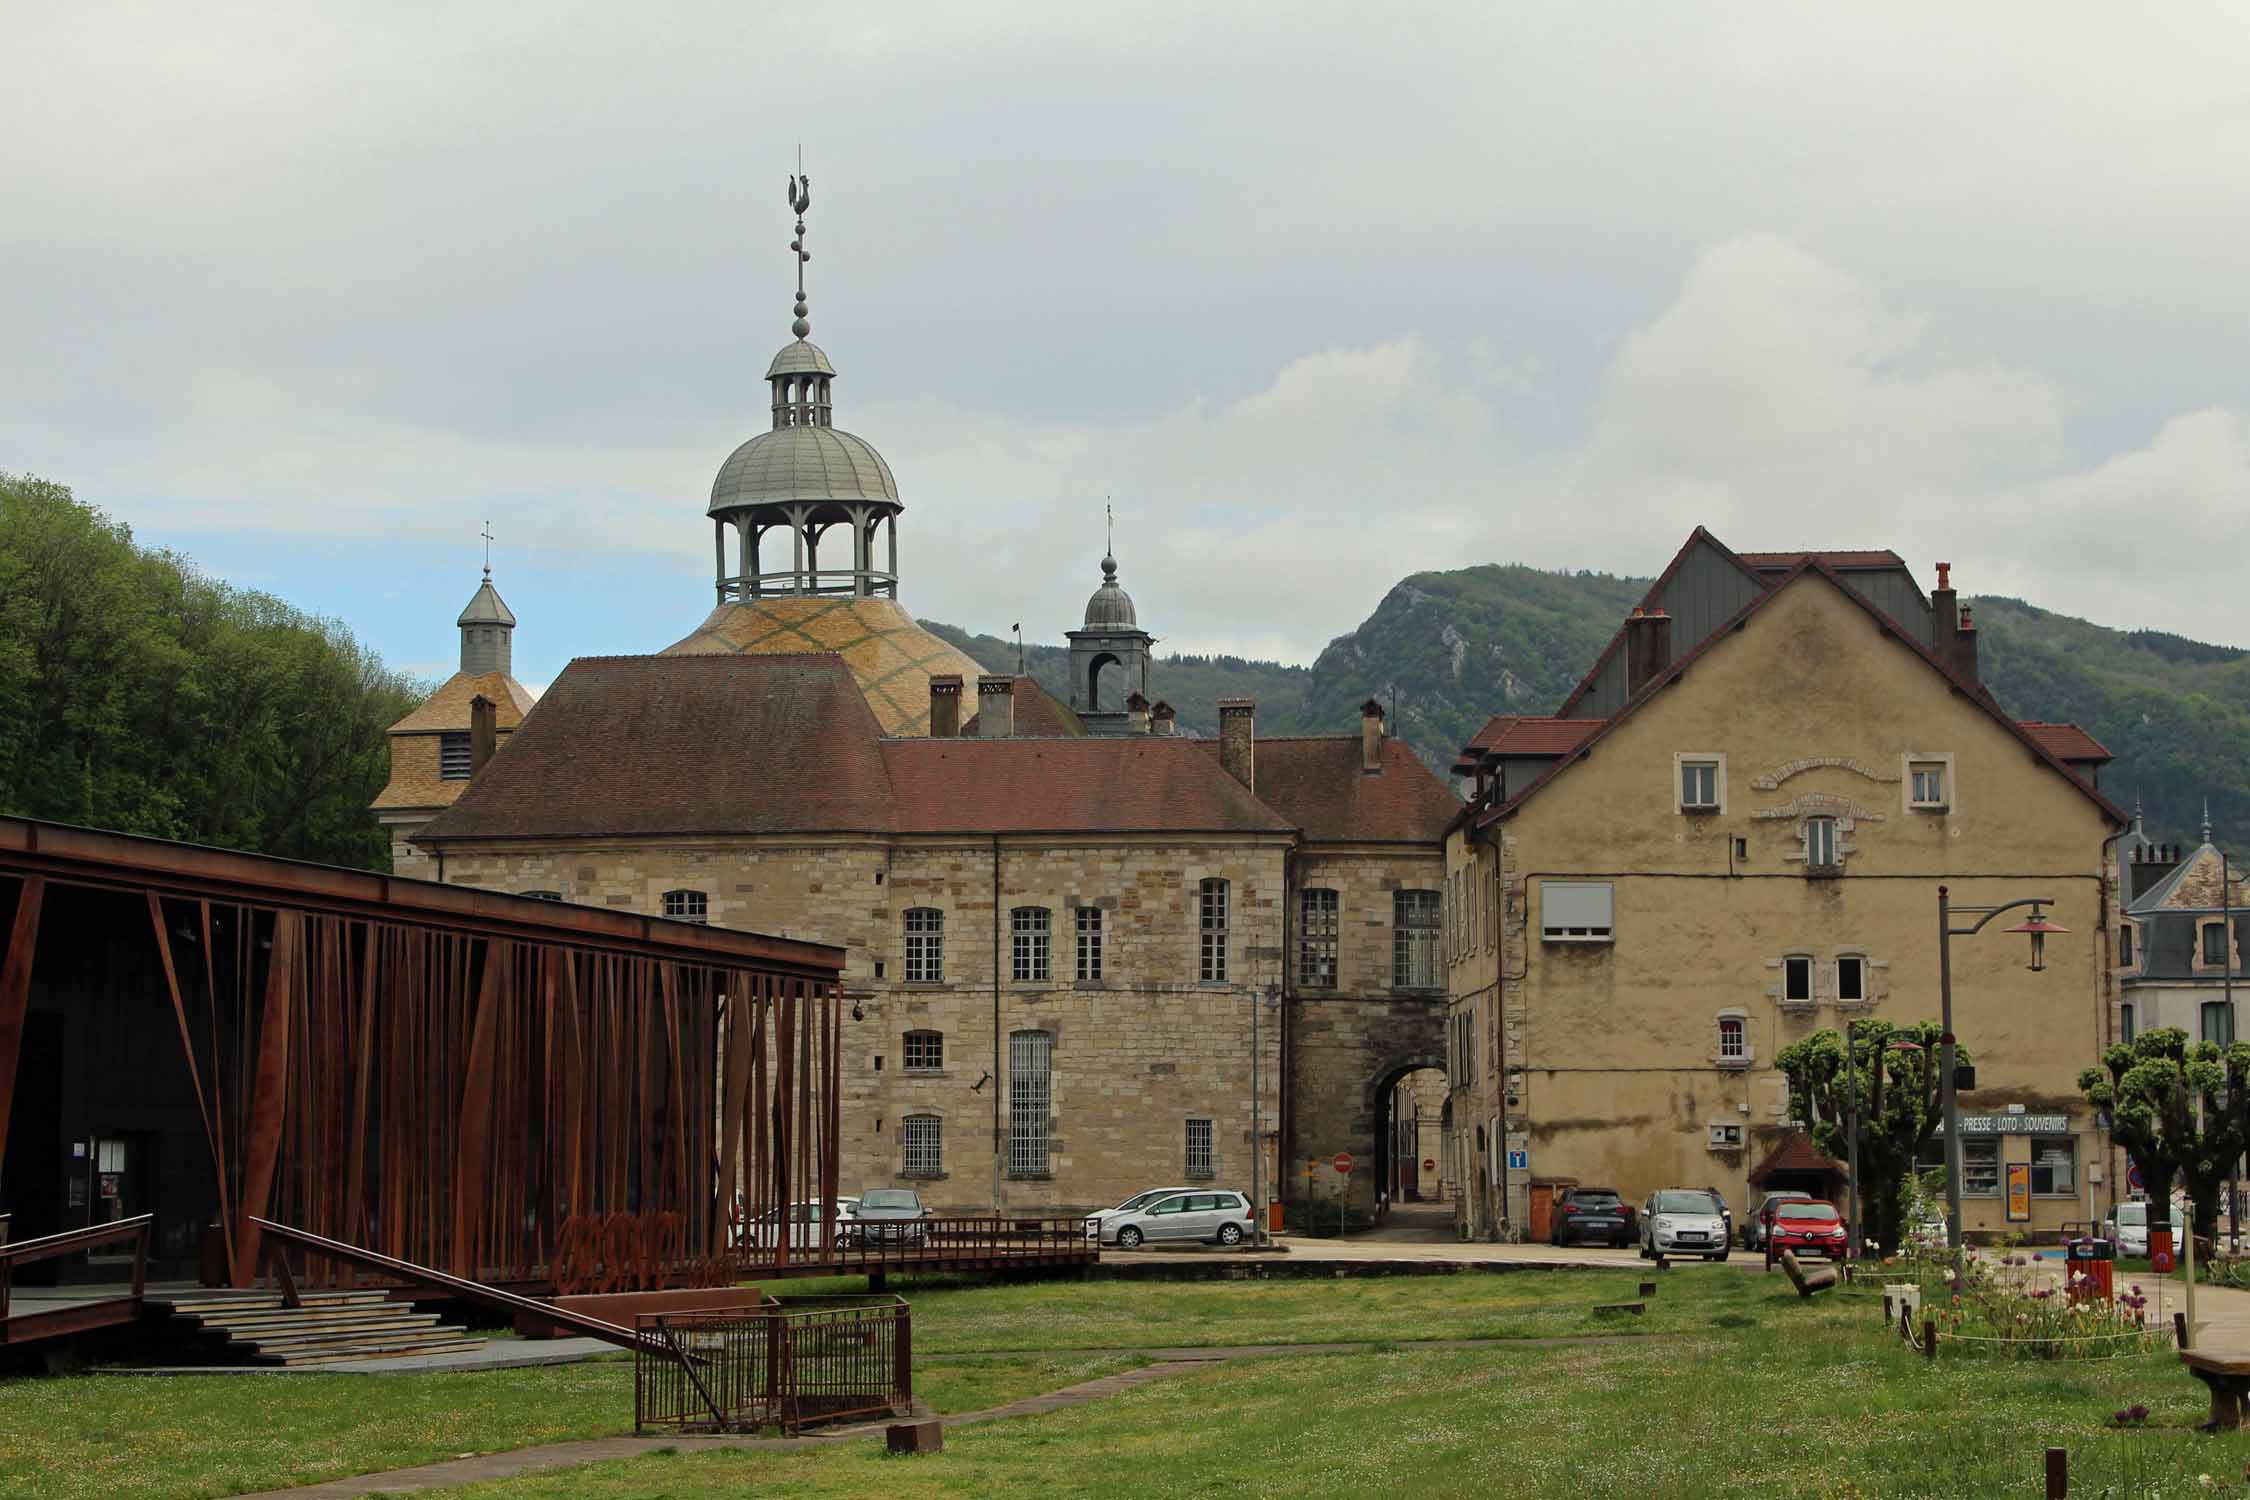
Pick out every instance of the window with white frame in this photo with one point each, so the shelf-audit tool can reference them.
(687, 906)
(925, 945)
(1925, 784)
(1796, 976)
(1317, 923)
(1699, 783)
(1030, 1101)
(1851, 977)
(1576, 911)
(1211, 908)
(1414, 940)
(1820, 843)
(1199, 1165)
(921, 1146)
(1089, 944)
(2054, 1166)
(1734, 1039)
(1029, 928)
(454, 756)
(922, 1051)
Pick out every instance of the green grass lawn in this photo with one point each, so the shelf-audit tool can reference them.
(1810, 1401)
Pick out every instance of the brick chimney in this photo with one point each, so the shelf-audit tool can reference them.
(1953, 634)
(1648, 648)
(484, 733)
(945, 706)
(1965, 647)
(1162, 719)
(996, 707)
(1136, 714)
(1371, 738)
(1238, 739)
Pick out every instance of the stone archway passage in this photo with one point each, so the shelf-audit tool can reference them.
(1345, 1057)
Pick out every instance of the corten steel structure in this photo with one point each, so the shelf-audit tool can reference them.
(458, 1079)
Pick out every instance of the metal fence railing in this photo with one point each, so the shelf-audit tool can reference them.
(811, 1360)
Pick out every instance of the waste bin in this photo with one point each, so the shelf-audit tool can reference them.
(2161, 1257)
(2092, 1266)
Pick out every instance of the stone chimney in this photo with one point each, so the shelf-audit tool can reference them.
(945, 706)
(1965, 647)
(996, 707)
(2150, 864)
(1648, 648)
(1371, 738)
(1162, 719)
(1953, 634)
(1238, 739)
(484, 733)
(1136, 714)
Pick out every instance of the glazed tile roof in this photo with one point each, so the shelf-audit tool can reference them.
(890, 656)
(1129, 784)
(2066, 741)
(1316, 784)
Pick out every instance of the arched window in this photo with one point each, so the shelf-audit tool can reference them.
(923, 1051)
(687, 906)
(925, 945)
(1031, 932)
(1212, 909)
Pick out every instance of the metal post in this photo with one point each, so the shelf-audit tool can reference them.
(1851, 1123)
(1950, 1105)
(2226, 988)
(1257, 1153)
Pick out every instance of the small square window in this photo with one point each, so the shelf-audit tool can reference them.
(924, 1051)
(1926, 783)
(1851, 977)
(1699, 785)
(1796, 979)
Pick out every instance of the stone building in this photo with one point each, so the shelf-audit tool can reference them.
(1086, 954)
(2180, 943)
(1732, 835)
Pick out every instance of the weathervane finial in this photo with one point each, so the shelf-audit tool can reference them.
(487, 534)
(1109, 549)
(800, 199)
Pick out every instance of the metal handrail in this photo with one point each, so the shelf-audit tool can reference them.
(70, 1242)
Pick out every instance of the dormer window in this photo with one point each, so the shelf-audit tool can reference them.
(453, 756)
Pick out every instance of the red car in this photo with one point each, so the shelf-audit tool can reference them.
(1808, 1227)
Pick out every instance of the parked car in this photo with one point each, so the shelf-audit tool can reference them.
(2127, 1228)
(1754, 1228)
(1726, 1214)
(1592, 1215)
(763, 1232)
(1215, 1217)
(889, 1216)
(1096, 1220)
(1683, 1221)
(1807, 1226)
(1928, 1232)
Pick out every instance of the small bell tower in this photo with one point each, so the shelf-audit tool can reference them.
(1109, 656)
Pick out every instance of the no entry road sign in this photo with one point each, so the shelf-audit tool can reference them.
(1343, 1162)
(1429, 1164)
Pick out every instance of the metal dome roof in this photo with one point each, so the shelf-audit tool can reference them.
(800, 358)
(802, 465)
(485, 607)
(1111, 608)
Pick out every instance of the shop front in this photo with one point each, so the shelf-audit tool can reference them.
(2022, 1173)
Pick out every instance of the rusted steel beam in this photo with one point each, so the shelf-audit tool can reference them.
(474, 1143)
(15, 992)
(269, 1093)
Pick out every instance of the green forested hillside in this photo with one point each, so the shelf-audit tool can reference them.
(136, 694)
(1453, 648)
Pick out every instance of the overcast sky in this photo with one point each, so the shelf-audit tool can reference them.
(1321, 294)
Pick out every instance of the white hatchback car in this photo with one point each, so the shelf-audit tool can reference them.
(2127, 1228)
(1682, 1221)
(1215, 1217)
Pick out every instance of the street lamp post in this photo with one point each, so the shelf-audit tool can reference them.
(1851, 1124)
(2037, 927)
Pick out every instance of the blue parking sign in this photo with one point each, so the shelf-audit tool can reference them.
(1519, 1161)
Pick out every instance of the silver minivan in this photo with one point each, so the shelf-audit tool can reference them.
(1217, 1217)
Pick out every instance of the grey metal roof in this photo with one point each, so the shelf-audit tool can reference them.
(800, 358)
(1111, 608)
(486, 608)
(802, 464)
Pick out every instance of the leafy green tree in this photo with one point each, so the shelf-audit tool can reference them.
(138, 694)
(2181, 1110)
(1893, 1076)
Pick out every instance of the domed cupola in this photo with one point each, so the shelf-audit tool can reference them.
(1111, 608)
(1109, 658)
(786, 490)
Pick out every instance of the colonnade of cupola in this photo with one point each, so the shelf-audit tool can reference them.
(775, 551)
(802, 401)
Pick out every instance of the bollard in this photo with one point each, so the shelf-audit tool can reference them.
(1929, 1338)
(915, 1437)
(1648, 1288)
(2058, 1474)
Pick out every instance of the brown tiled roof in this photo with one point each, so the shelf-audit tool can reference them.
(1544, 736)
(643, 745)
(1135, 783)
(448, 707)
(1846, 559)
(2066, 741)
(1039, 713)
(1796, 1153)
(1316, 784)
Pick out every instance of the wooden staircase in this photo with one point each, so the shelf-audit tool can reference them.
(256, 1328)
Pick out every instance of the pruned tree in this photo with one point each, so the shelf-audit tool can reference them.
(1893, 1075)
(2181, 1110)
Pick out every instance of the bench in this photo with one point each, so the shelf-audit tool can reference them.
(2228, 1376)
(1806, 1282)
(1635, 1308)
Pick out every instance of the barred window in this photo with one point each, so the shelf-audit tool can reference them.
(1199, 1163)
(925, 945)
(1213, 907)
(1089, 943)
(924, 1051)
(687, 906)
(1316, 939)
(1030, 1101)
(921, 1154)
(1414, 940)
(1030, 928)
(453, 757)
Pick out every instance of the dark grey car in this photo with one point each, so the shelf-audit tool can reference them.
(888, 1216)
